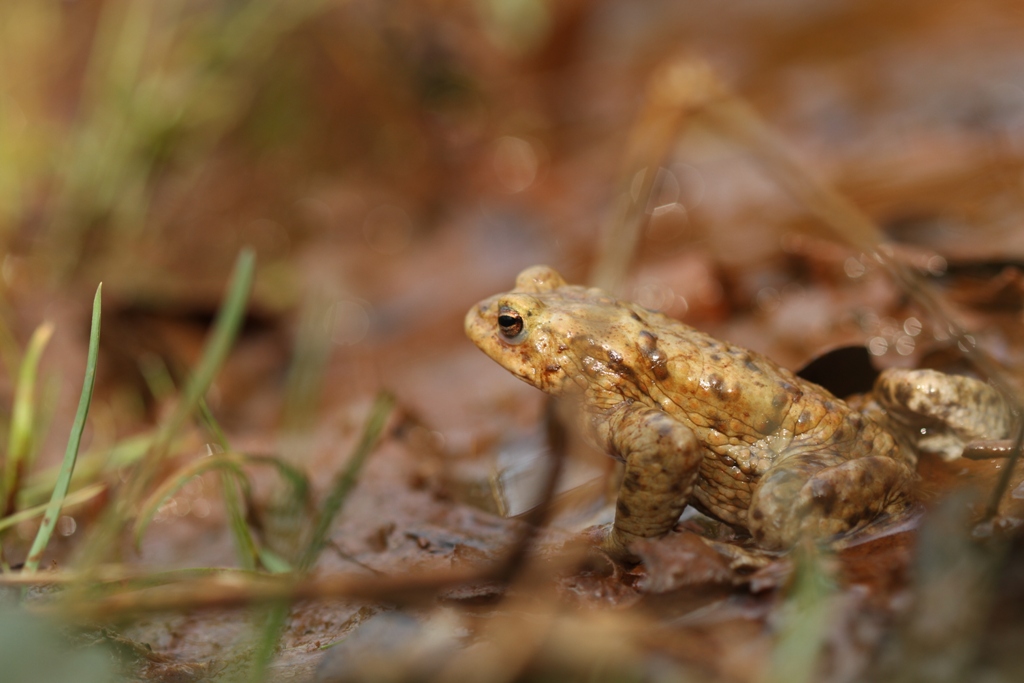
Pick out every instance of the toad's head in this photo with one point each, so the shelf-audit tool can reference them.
(558, 337)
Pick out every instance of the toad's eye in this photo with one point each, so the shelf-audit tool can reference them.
(511, 323)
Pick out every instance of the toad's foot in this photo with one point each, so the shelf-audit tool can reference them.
(820, 495)
(989, 449)
(740, 558)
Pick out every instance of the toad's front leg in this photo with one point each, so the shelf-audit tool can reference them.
(662, 458)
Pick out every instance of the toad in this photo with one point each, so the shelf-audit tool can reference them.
(701, 422)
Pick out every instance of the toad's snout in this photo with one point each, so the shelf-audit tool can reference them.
(479, 321)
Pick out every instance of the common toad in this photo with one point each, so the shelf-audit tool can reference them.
(702, 422)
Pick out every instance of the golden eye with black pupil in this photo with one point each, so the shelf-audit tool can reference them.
(510, 322)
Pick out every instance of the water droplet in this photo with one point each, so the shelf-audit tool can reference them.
(515, 163)
(854, 267)
(967, 343)
(664, 193)
(201, 508)
(936, 265)
(66, 525)
(878, 346)
(905, 345)
(654, 297)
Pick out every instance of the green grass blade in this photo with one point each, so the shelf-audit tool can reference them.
(225, 329)
(272, 562)
(157, 377)
(277, 616)
(306, 375)
(346, 480)
(266, 646)
(236, 485)
(89, 467)
(229, 462)
(804, 620)
(290, 473)
(60, 490)
(245, 544)
(23, 417)
(298, 499)
(212, 426)
(307, 371)
(82, 495)
(105, 536)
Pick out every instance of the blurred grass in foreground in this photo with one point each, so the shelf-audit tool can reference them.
(134, 502)
(161, 84)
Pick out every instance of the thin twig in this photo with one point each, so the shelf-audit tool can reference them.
(675, 92)
(516, 557)
(238, 589)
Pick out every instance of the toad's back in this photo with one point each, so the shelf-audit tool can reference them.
(741, 402)
(750, 414)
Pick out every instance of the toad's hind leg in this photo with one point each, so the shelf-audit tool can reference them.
(942, 413)
(818, 495)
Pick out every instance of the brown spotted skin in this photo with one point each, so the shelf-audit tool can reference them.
(694, 419)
